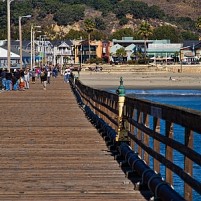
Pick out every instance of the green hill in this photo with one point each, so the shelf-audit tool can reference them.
(65, 18)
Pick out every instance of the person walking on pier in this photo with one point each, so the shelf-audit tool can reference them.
(15, 82)
(26, 78)
(8, 81)
(21, 84)
(33, 76)
(3, 77)
(48, 75)
(67, 74)
(43, 77)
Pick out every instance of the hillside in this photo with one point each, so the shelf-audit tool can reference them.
(58, 17)
(178, 8)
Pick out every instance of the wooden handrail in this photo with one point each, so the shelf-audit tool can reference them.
(139, 114)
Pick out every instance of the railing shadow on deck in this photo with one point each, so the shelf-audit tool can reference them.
(143, 122)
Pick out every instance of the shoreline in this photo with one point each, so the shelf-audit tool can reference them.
(141, 81)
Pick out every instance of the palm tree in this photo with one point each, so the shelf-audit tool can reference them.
(89, 26)
(145, 30)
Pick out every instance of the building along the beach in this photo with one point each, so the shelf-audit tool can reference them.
(155, 48)
(191, 52)
(164, 52)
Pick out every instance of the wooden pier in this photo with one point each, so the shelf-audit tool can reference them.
(49, 151)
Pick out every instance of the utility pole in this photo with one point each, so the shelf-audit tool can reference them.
(8, 34)
(32, 45)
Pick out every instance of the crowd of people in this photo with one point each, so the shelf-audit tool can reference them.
(19, 79)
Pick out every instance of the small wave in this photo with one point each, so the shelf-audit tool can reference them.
(164, 92)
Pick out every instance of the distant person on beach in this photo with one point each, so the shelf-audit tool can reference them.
(172, 79)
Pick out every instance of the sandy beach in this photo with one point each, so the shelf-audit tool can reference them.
(142, 80)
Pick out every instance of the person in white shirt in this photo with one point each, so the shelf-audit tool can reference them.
(67, 74)
(48, 76)
(26, 78)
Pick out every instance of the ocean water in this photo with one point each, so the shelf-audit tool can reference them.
(183, 98)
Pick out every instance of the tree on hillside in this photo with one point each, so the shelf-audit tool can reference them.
(74, 34)
(69, 14)
(188, 35)
(198, 24)
(145, 30)
(89, 26)
(167, 32)
(98, 35)
(126, 32)
(100, 23)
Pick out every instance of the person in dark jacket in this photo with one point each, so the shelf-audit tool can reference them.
(8, 81)
(43, 77)
(3, 77)
(15, 82)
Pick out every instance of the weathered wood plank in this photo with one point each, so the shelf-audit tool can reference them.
(50, 151)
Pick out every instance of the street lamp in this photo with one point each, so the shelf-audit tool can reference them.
(34, 53)
(32, 30)
(43, 48)
(8, 33)
(81, 53)
(20, 37)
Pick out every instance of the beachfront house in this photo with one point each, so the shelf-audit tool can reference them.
(105, 51)
(164, 52)
(63, 52)
(14, 55)
(191, 52)
(15, 58)
(98, 50)
(134, 48)
(130, 49)
(113, 55)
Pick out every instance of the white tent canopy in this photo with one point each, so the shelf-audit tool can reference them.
(3, 54)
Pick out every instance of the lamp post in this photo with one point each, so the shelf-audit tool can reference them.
(20, 37)
(180, 62)
(32, 30)
(8, 34)
(81, 53)
(34, 51)
(43, 48)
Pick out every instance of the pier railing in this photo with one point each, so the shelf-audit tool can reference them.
(161, 136)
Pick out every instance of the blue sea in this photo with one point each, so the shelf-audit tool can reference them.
(183, 98)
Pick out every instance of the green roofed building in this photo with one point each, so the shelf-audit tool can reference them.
(164, 52)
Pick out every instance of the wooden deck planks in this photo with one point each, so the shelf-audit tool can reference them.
(50, 151)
